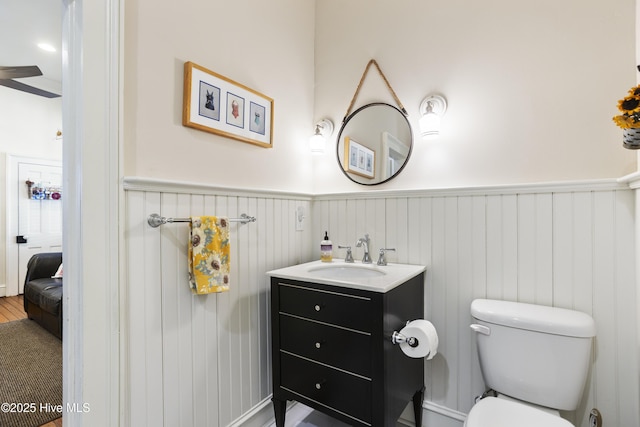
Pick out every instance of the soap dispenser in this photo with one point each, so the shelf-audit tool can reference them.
(326, 249)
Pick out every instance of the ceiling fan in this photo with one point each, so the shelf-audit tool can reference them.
(7, 74)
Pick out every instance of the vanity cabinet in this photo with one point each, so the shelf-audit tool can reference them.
(332, 350)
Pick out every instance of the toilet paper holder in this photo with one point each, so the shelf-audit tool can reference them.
(397, 338)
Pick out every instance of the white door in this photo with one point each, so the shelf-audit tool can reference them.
(39, 213)
(36, 219)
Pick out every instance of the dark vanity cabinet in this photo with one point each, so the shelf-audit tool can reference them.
(332, 350)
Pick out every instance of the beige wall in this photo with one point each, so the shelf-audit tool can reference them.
(267, 46)
(531, 86)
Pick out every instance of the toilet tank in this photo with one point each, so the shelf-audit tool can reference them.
(534, 353)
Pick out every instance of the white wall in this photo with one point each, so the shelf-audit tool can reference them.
(202, 360)
(531, 86)
(267, 46)
(28, 126)
(569, 245)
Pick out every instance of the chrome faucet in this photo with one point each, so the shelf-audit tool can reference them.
(382, 259)
(364, 242)
(349, 256)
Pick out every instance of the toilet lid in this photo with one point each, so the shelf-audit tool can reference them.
(495, 412)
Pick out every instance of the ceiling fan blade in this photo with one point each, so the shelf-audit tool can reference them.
(26, 88)
(19, 72)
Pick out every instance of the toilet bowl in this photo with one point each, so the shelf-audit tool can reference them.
(536, 358)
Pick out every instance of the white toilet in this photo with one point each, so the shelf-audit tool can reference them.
(535, 358)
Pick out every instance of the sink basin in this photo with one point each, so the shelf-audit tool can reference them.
(368, 277)
(345, 271)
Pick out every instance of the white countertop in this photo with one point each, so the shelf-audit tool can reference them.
(331, 273)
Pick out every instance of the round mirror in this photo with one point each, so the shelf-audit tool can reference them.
(374, 144)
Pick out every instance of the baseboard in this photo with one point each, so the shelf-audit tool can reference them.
(258, 416)
(3, 290)
(434, 414)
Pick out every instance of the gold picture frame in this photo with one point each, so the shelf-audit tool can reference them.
(216, 104)
(359, 160)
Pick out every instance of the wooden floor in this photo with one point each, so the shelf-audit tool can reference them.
(12, 308)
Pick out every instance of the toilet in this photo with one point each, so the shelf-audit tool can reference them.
(535, 358)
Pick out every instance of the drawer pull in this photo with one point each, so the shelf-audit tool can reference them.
(318, 307)
(318, 345)
(320, 384)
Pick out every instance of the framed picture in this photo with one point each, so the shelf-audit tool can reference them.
(361, 160)
(216, 104)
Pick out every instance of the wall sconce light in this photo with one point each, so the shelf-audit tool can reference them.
(318, 141)
(432, 108)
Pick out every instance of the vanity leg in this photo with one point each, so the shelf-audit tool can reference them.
(417, 406)
(280, 410)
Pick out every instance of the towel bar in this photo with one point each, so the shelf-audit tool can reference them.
(155, 220)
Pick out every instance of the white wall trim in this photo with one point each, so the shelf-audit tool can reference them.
(186, 187)
(136, 183)
(546, 187)
(632, 180)
(256, 415)
(443, 410)
(429, 408)
(91, 172)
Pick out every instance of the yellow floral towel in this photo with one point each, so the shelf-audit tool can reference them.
(209, 254)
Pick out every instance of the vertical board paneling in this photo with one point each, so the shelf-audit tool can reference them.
(626, 308)
(604, 293)
(563, 214)
(465, 276)
(527, 239)
(567, 249)
(495, 248)
(509, 247)
(202, 360)
(137, 398)
(152, 320)
(479, 290)
(205, 360)
(544, 250)
(438, 381)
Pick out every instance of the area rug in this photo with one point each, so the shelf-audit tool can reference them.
(30, 375)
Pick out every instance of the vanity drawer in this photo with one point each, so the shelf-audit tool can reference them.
(340, 391)
(332, 345)
(350, 311)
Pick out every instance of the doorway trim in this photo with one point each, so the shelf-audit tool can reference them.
(93, 374)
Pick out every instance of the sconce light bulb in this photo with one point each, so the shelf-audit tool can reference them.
(317, 142)
(432, 109)
(430, 125)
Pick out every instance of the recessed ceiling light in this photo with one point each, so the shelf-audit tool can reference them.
(47, 47)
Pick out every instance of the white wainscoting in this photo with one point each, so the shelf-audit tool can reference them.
(568, 245)
(201, 360)
(204, 360)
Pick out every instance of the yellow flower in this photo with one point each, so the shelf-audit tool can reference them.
(626, 122)
(635, 91)
(630, 108)
(630, 104)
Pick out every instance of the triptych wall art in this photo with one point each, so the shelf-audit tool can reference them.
(216, 104)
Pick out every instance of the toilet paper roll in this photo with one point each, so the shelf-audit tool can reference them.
(427, 337)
